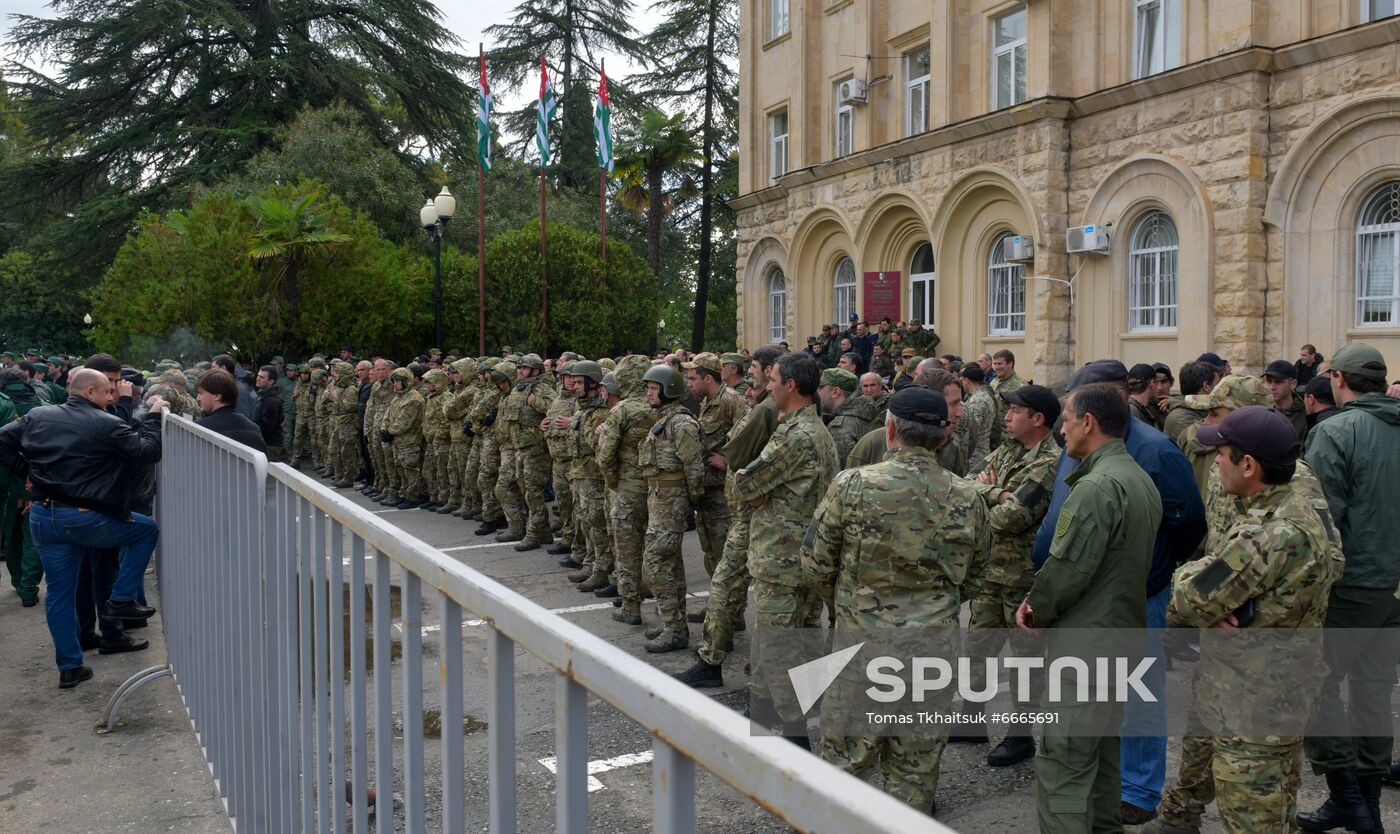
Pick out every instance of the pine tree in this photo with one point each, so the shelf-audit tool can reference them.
(574, 36)
(146, 101)
(699, 77)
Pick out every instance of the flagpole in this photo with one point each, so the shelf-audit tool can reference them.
(603, 225)
(480, 261)
(544, 268)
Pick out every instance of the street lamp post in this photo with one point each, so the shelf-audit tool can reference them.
(433, 217)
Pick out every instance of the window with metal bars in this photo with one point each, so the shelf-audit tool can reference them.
(1153, 250)
(844, 291)
(777, 306)
(1378, 258)
(1006, 292)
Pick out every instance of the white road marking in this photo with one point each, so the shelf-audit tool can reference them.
(471, 547)
(392, 510)
(602, 766)
(573, 609)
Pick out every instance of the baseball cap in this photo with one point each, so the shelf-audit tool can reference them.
(839, 378)
(1212, 358)
(920, 405)
(908, 352)
(1321, 389)
(1163, 370)
(1142, 372)
(705, 361)
(1359, 359)
(974, 373)
(1256, 430)
(1037, 398)
(1281, 369)
(733, 359)
(1099, 370)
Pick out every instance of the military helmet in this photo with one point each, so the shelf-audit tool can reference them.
(466, 367)
(672, 386)
(317, 375)
(567, 368)
(317, 362)
(488, 363)
(607, 364)
(532, 360)
(437, 378)
(402, 374)
(610, 385)
(588, 369)
(503, 371)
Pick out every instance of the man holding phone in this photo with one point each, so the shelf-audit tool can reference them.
(1273, 569)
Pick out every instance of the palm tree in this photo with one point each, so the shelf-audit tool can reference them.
(658, 147)
(287, 234)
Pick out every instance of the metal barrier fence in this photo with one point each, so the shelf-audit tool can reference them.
(256, 564)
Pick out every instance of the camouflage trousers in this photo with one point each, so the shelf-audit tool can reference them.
(1253, 782)
(301, 437)
(458, 450)
(408, 459)
(780, 606)
(564, 500)
(712, 519)
(377, 459)
(908, 763)
(729, 591)
(628, 522)
(471, 491)
(389, 481)
(520, 489)
(488, 470)
(591, 524)
(668, 510)
(345, 446)
(289, 430)
(435, 455)
(993, 612)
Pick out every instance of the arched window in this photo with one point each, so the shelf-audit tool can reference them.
(1152, 257)
(1378, 258)
(1006, 292)
(844, 291)
(921, 283)
(777, 306)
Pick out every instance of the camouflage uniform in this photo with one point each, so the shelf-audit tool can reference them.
(301, 432)
(1232, 392)
(718, 415)
(461, 485)
(562, 445)
(1029, 475)
(618, 444)
(285, 390)
(981, 406)
(345, 430)
(850, 423)
(325, 422)
(379, 394)
(672, 459)
(436, 441)
(956, 454)
(1001, 386)
(792, 472)
(485, 422)
(522, 483)
(404, 420)
(898, 544)
(590, 512)
(1284, 554)
(171, 386)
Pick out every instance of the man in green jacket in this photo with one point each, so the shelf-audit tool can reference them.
(1356, 457)
(1093, 579)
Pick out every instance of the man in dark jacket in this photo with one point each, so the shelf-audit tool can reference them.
(81, 462)
(267, 412)
(364, 372)
(21, 556)
(1309, 360)
(217, 395)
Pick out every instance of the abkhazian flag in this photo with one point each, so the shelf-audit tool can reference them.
(545, 110)
(602, 123)
(483, 118)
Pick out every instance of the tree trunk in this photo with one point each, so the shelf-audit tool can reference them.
(702, 266)
(655, 210)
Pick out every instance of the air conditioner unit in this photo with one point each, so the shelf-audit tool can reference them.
(1086, 239)
(1020, 249)
(851, 91)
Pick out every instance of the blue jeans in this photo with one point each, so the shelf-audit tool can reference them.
(1143, 759)
(65, 537)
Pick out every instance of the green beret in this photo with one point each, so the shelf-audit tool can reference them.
(55, 361)
(31, 351)
(8, 353)
(277, 360)
(840, 378)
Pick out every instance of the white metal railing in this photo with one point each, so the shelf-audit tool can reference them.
(256, 561)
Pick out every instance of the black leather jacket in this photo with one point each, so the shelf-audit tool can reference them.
(80, 455)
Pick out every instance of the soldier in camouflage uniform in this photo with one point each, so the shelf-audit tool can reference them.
(848, 416)
(1232, 392)
(345, 426)
(734, 372)
(325, 420)
(898, 544)
(437, 443)
(618, 444)
(170, 385)
(672, 459)
(286, 387)
(590, 493)
(1016, 484)
(461, 490)
(379, 394)
(525, 470)
(986, 417)
(305, 415)
(499, 377)
(721, 408)
(561, 441)
(784, 486)
(403, 431)
(1004, 363)
(1283, 555)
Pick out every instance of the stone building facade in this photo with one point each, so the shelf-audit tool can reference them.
(1244, 156)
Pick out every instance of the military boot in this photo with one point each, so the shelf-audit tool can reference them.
(695, 616)
(445, 509)
(510, 534)
(608, 591)
(486, 528)
(1013, 749)
(1159, 826)
(528, 543)
(560, 549)
(702, 675)
(593, 583)
(570, 562)
(653, 631)
(579, 575)
(1371, 792)
(1345, 807)
(622, 615)
(667, 641)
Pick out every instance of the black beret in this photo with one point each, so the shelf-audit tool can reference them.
(1100, 370)
(920, 405)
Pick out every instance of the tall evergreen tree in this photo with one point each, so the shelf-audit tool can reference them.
(574, 36)
(699, 76)
(147, 100)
